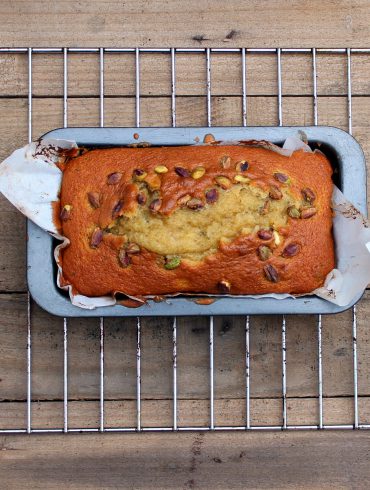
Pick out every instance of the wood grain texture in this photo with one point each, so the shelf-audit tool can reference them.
(197, 23)
(222, 460)
(193, 369)
(325, 460)
(191, 413)
(155, 74)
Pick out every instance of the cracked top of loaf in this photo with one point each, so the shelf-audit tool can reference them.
(202, 219)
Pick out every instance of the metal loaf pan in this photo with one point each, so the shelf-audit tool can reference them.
(342, 149)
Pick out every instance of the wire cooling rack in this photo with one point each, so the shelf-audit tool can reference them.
(212, 425)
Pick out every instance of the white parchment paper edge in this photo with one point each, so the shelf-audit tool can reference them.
(31, 180)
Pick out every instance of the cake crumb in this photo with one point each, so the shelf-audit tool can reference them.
(209, 138)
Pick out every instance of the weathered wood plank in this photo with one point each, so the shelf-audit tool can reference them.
(227, 460)
(155, 74)
(178, 460)
(156, 111)
(111, 23)
(193, 356)
(193, 413)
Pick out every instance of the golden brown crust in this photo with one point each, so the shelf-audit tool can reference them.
(96, 270)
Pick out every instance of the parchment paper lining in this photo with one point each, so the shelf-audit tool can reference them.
(30, 178)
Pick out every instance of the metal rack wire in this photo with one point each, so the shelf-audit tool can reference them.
(212, 425)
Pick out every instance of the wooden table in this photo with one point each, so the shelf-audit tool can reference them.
(178, 460)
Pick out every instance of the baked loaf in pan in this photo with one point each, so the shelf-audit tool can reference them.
(196, 219)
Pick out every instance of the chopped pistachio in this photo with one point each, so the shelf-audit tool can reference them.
(172, 263)
(277, 238)
(198, 173)
(161, 169)
(223, 182)
(241, 179)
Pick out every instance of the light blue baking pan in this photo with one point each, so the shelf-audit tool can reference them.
(350, 175)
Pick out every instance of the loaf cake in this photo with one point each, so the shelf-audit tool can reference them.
(196, 219)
